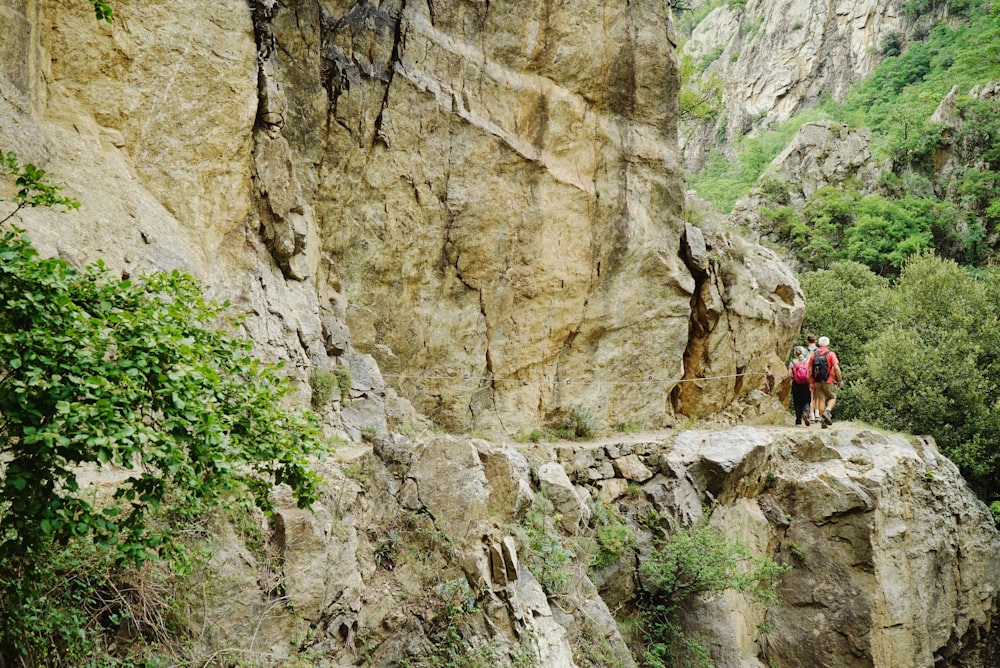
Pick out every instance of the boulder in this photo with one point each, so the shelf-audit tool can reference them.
(559, 490)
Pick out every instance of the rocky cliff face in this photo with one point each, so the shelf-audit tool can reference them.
(893, 559)
(480, 201)
(777, 57)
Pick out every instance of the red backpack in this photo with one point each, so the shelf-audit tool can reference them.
(800, 372)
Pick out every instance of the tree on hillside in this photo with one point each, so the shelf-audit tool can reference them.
(135, 377)
(934, 369)
(920, 356)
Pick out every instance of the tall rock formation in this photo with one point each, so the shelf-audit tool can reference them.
(777, 57)
(498, 189)
(480, 200)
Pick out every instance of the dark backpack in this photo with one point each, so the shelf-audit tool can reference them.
(800, 372)
(821, 367)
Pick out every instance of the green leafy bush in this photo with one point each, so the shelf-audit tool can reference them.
(839, 224)
(686, 563)
(612, 535)
(933, 369)
(323, 384)
(579, 423)
(102, 10)
(850, 304)
(141, 376)
(545, 554)
(134, 374)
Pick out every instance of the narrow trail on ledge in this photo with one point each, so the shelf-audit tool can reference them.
(351, 451)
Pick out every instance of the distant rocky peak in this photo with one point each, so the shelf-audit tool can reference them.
(777, 57)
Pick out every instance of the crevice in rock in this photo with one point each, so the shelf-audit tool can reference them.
(340, 68)
(398, 38)
(262, 12)
(685, 397)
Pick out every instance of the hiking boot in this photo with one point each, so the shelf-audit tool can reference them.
(805, 420)
(827, 417)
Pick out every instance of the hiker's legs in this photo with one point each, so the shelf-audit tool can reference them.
(829, 392)
(802, 400)
(819, 398)
(828, 398)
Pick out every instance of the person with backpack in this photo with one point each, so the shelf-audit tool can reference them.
(814, 408)
(824, 372)
(798, 371)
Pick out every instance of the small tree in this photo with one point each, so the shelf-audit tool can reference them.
(98, 370)
(690, 562)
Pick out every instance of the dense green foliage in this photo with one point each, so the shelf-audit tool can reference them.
(133, 374)
(700, 94)
(919, 355)
(840, 224)
(34, 187)
(686, 563)
(134, 377)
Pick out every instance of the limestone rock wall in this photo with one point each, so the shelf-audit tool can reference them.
(474, 205)
(151, 122)
(498, 191)
(894, 561)
(777, 57)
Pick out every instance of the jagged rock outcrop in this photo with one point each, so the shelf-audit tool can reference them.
(777, 57)
(483, 197)
(822, 153)
(895, 562)
(894, 558)
(410, 557)
(163, 127)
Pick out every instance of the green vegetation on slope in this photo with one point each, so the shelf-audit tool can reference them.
(917, 206)
(903, 276)
(684, 564)
(919, 355)
(137, 376)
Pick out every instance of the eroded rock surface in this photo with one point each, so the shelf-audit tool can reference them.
(483, 198)
(894, 561)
